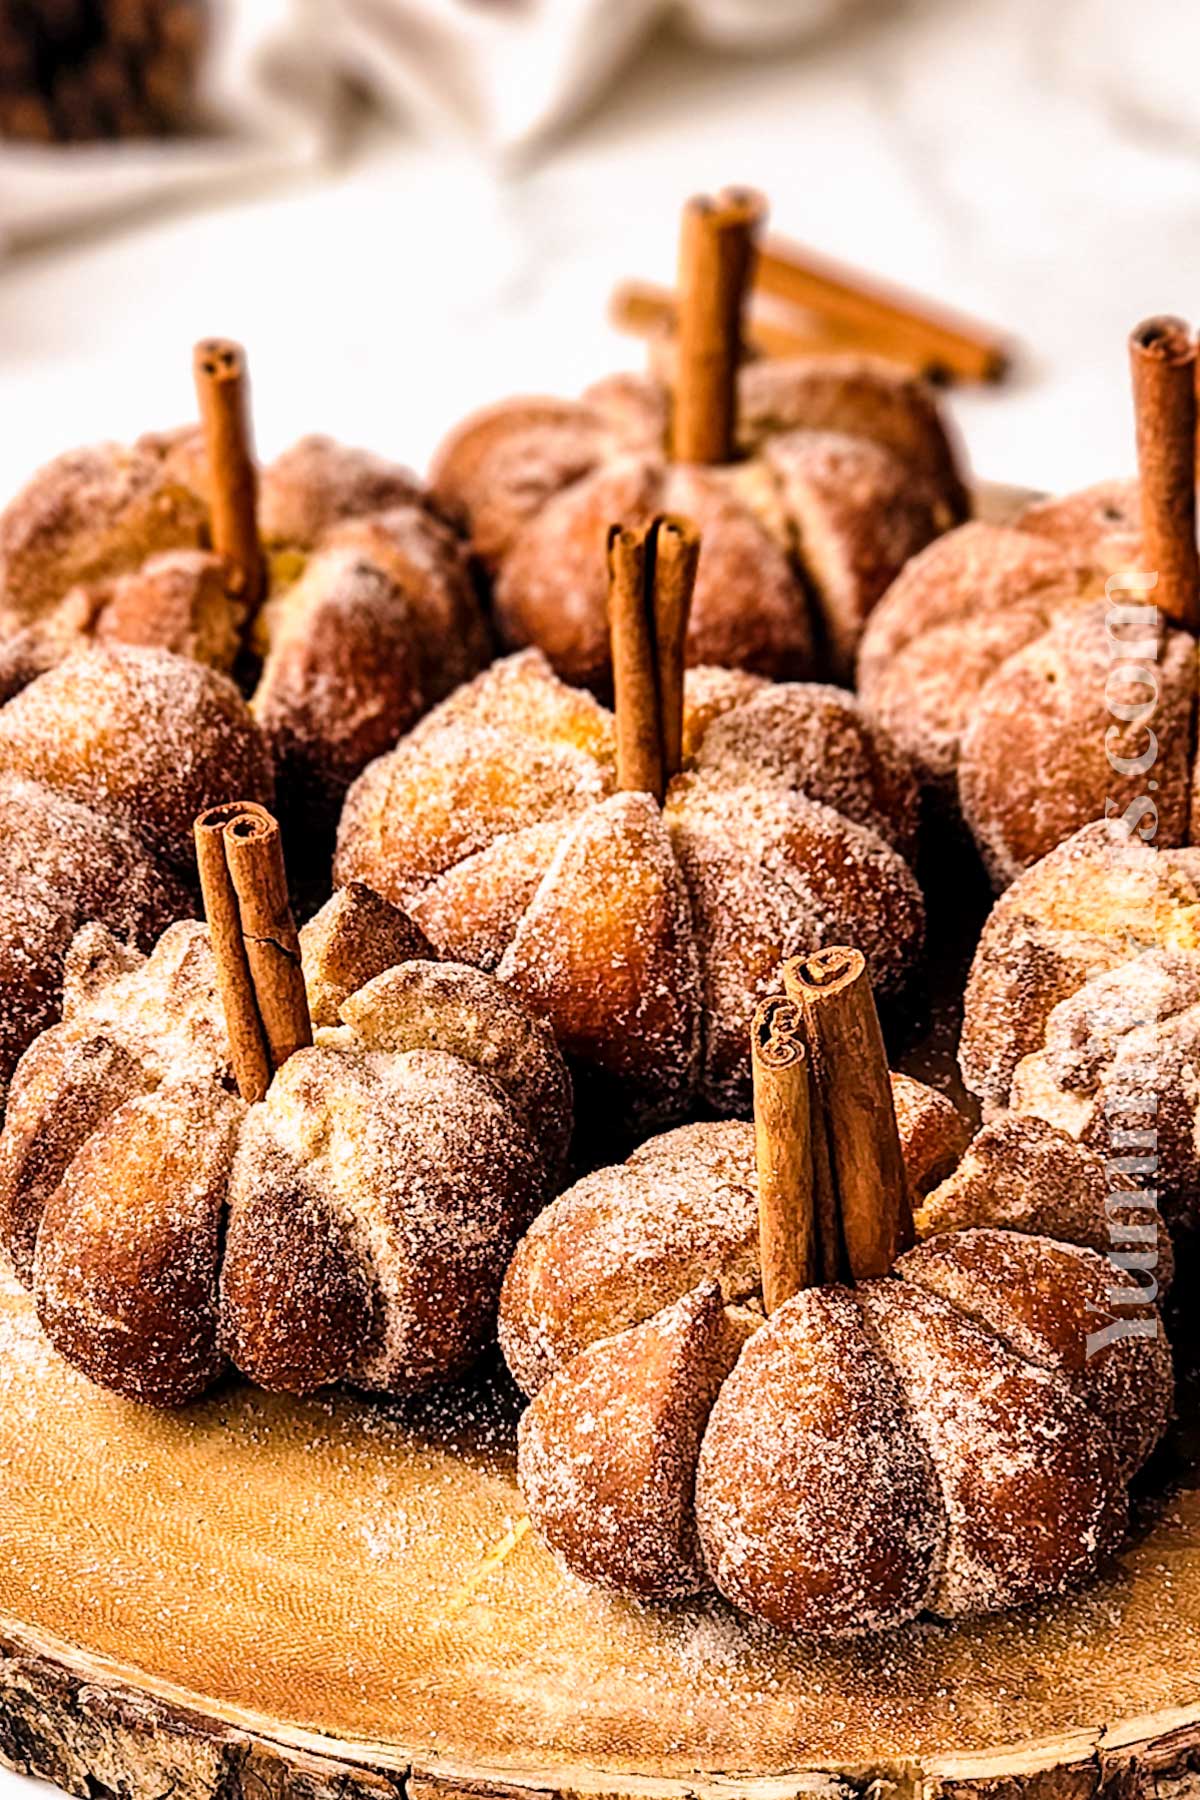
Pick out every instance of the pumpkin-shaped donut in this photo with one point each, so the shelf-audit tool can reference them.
(104, 761)
(1043, 673)
(839, 469)
(360, 614)
(954, 1435)
(1083, 1009)
(354, 1225)
(643, 934)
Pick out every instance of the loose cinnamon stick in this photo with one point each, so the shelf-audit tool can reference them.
(675, 557)
(897, 324)
(715, 263)
(254, 941)
(783, 1152)
(644, 310)
(855, 1093)
(222, 390)
(1162, 355)
(635, 682)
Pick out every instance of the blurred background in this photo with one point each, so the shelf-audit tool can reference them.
(405, 208)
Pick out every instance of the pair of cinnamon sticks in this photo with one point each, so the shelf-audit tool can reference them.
(651, 576)
(1163, 362)
(819, 305)
(833, 1195)
(239, 854)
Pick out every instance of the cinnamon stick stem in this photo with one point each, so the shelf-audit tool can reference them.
(675, 559)
(222, 391)
(783, 1152)
(254, 852)
(1162, 355)
(235, 986)
(715, 264)
(635, 681)
(855, 1096)
(254, 940)
(894, 322)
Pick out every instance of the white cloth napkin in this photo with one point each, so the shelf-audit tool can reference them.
(500, 74)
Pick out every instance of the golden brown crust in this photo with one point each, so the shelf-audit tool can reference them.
(356, 1223)
(626, 1241)
(607, 1453)
(90, 515)
(1001, 662)
(645, 940)
(370, 619)
(817, 1504)
(318, 483)
(354, 937)
(1084, 1001)
(535, 483)
(1044, 747)
(956, 1437)
(858, 396)
(141, 737)
(128, 1247)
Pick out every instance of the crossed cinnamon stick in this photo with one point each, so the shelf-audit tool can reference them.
(819, 306)
(833, 1195)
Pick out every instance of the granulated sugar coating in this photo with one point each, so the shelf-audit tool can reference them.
(1017, 665)
(1083, 1003)
(952, 1439)
(104, 763)
(844, 469)
(354, 1225)
(369, 614)
(643, 939)
(359, 1572)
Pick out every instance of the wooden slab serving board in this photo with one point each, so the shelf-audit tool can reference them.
(264, 1595)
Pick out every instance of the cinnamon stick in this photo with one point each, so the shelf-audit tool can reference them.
(674, 546)
(783, 1152)
(715, 263)
(642, 309)
(222, 390)
(259, 979)
(635, 682)
(854, 1087)
(896, 323)
(254, 852)
(651, 576)
(1162, 355)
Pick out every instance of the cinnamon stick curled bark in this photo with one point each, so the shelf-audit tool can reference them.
(675, 555)
(222, 391)
(651, 577)
(716, 260)
(783, 1152)
(635, 682)
(259, 976)
(1162, 355)
(854, 1088)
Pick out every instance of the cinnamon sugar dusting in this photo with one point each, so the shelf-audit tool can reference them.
(493, 823)
(354, 1225)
